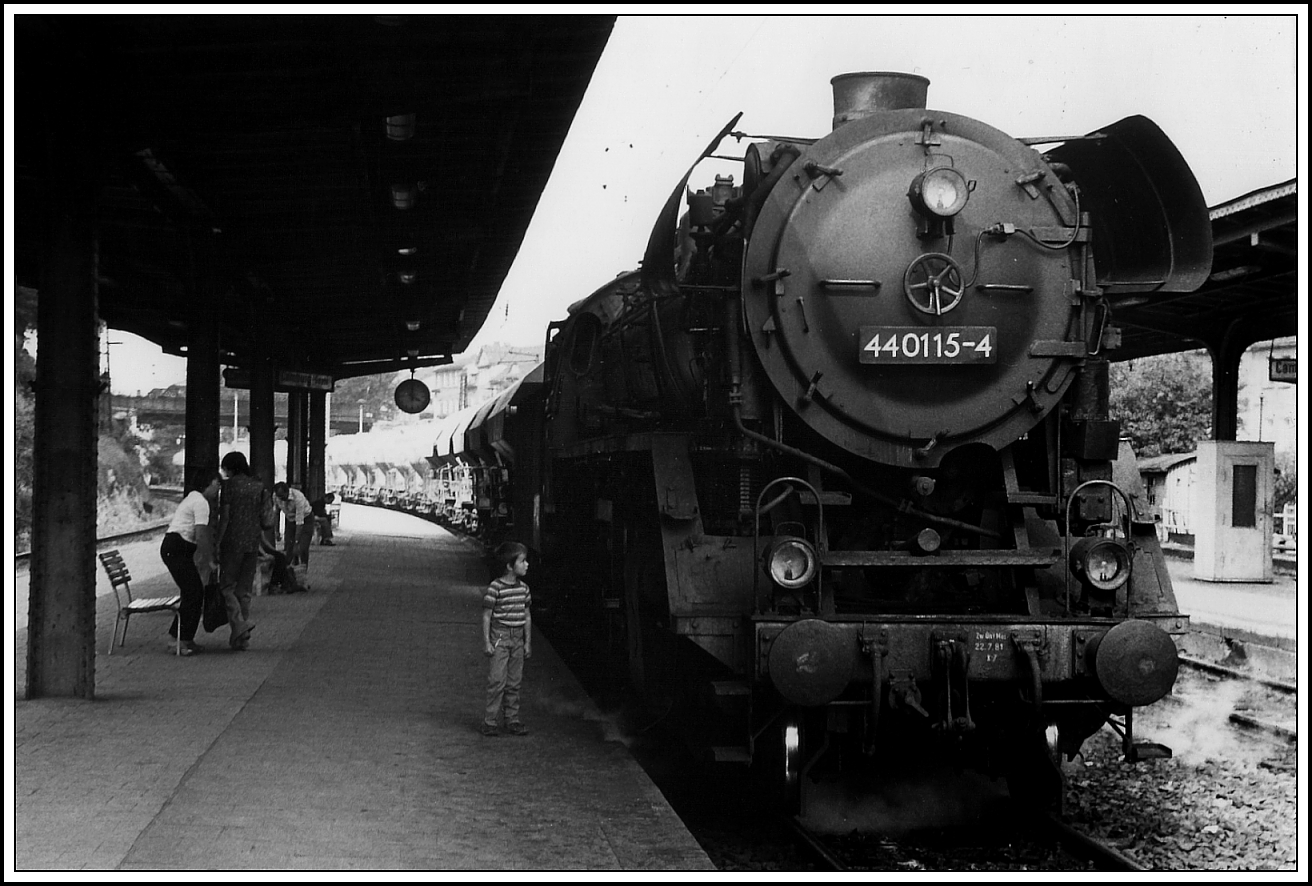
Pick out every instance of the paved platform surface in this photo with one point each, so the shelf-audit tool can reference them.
(1251, 626)
(347, 738)
(1264, 612)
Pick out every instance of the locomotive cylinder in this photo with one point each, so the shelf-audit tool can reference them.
(859, 95)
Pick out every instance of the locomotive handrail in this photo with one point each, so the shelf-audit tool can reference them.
(1066, 538)
(1054, 139)
(740, 135)
(821, 547)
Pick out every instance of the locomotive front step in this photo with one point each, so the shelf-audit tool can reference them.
(723, 754)
(730, 687)
(1036, 559)
(1148, 750)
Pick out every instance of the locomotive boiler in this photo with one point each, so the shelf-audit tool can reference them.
(840, 451)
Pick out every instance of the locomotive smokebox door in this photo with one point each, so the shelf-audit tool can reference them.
(889, 302)
(811, 662)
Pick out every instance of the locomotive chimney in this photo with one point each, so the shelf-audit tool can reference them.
(863, 94)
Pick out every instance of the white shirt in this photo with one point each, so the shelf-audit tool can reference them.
(296, 507)
(193, 511)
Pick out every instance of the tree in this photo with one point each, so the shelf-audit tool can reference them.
(375, 390)
(1286, 491)
(1164, 403)
(24, 416)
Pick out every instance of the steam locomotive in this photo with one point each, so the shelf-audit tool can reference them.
(837, 461)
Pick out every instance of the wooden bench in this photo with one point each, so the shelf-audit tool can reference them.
(119, 577)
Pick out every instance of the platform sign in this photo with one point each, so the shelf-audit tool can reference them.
(1284, 369)
(284, 381)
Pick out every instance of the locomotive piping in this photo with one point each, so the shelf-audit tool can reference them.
(786, 155)
(1036, 678)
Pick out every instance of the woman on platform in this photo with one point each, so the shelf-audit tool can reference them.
(188, 532)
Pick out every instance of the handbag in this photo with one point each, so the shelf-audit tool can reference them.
(214, 612)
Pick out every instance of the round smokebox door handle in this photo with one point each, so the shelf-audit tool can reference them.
(933, 283)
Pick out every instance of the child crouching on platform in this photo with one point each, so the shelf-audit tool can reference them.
(507, 638)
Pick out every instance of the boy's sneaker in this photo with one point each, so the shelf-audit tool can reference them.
(490, 730)
(517, 729)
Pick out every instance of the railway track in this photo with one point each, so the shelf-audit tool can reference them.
(1030, 842)
(1219, 670)
(141, 533)
(109, 541)
(1267, 702)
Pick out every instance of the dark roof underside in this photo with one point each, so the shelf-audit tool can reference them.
(1250, 296)
(241, 167)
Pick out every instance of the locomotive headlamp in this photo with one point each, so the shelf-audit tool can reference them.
(940, 192)
(1101, 563)
(791, 562)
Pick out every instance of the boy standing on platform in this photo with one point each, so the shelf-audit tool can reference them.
(507, 638)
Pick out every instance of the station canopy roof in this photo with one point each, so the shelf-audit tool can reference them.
(1251, 294)
(355, 186)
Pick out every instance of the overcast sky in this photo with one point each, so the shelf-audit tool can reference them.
(1223, 88)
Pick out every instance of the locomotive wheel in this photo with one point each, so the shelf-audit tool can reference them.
(633, 637)
(791, 745)
(778, 763)
(651, 651)
(1034, 775)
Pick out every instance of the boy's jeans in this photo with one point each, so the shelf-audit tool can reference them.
(505, 673)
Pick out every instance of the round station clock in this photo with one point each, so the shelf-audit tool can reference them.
(412, 396)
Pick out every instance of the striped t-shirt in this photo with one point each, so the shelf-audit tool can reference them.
(509, 602)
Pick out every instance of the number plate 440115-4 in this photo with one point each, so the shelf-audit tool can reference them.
(941, 344)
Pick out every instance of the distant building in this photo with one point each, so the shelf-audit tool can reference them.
(1285, 527)
(475, 378)
(1168, 481)
(1268, 410)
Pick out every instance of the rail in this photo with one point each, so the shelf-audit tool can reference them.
(1233, 674)
(141, 532)
(813, 845)
(1082, 845)
(1085, 847)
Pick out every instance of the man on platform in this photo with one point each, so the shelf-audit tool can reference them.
(300, 523)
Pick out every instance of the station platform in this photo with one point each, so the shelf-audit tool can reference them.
(346, 739)
(1252, 626)
(1262, 612)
